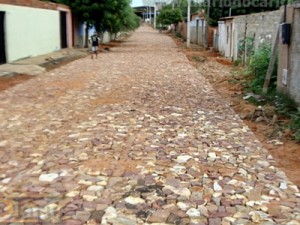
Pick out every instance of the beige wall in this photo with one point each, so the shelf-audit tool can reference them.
(289, 56)
(225, 42)
(197, 34)
(198, 30)
(181, 28)
(259, 26)
(30, 31)
(33, 31)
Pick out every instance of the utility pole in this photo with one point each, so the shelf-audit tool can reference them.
(150, 14)
(154, 24)
(147, 13)
(188, 35)
(207, 24)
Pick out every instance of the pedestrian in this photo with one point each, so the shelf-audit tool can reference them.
(95, 41)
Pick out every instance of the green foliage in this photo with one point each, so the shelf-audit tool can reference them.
(176, 11)
(295, 126)
(169, 16)
(253, 79)
(178, 35)
(198, 58)
(237, 62)
(112, 16)
(182, 5)
(257, 69)
(116, 16)
(245, 47)
(286, 106)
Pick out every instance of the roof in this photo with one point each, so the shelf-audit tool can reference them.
(34, 4)
(227, 18)
(201, 14)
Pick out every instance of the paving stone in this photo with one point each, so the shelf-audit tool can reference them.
(83, 215)
(97, 215)
(173, 219)
(159, 216)
(48, 177)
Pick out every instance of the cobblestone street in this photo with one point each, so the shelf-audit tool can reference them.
(136, 136)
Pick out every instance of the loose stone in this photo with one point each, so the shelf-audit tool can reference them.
(48, 177)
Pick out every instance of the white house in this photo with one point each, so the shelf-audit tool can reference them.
(31, 28)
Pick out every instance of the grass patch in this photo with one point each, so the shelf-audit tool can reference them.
(198, 58)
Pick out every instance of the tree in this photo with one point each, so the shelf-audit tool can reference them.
(183, 4)
(112, 16)
(115, 16)
(169, 16)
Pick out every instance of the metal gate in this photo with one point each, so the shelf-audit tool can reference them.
(63, 29)
(2, 38)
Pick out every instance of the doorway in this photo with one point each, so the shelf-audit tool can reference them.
(2, 38)
(63, 29)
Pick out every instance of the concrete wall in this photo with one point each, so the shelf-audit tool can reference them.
(260, 27)
(181, 28)
(225, 38)
(289, 57)
(198, 30)
(30, 31)
(33, 30)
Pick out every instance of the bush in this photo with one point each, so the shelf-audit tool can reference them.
(258, 66)
(255, 77)
(295, 126)
(237, 62)
(286, 106)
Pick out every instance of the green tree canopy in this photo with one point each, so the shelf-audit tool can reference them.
(115, 16)
(169, 16)
(224, 8)
(183, 4)
(112, 16)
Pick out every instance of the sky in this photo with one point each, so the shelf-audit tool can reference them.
(137, 3)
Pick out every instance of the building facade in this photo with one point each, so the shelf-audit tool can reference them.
(31, 28)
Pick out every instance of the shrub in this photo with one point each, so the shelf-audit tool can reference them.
(286, 106)
(258, 66)
(295, 126)
(255, 77)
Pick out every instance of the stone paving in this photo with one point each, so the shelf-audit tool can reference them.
(136, 136)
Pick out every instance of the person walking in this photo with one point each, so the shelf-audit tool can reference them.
(95, 41)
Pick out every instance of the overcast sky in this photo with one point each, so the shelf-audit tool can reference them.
(137, 3)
